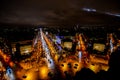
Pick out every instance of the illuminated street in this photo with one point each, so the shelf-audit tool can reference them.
(59, 40)
(50, 58)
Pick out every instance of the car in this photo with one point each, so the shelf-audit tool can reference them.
(76, 64)
(24, 76)
(62, 64)
(69, 65)
(75, 67)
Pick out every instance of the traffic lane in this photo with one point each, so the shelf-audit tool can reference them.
(96, 64)
(41, 69)
(96, 67)
(30, 74)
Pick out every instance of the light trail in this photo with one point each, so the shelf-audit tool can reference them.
(47, 51)
(94, 10)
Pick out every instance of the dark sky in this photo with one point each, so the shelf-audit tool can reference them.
(58, 12)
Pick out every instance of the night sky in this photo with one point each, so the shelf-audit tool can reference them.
(59, 12)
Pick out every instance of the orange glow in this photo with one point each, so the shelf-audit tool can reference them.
(6, 58)
(11, 64)
(43, 72)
